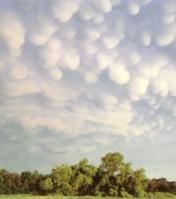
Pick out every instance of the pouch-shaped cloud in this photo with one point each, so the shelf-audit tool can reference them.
(9, 24)
(88, 66)
(71, 59)
(133, 8)
(41, 32)
(119, 74)
(92, 35)
(104, 60)
(110, 42)
(86, 11)
(165, 83)
(167, 35)
(104, 5)
(51, 53)
(138, 87)
(64, 10)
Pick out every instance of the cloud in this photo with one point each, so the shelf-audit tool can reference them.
(71, 59)
(167, 35)
(133, 8)
(80, 68)
(104, 5)
(19, 71)
(119, 74)
(138, 87)
(52, 52)
(41, 32)
(63, 11)
(8, 23)
(22, 87)
(104, 60)
(55, 74)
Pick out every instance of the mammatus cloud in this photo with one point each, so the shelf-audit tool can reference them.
(79, 67)
(63, 53)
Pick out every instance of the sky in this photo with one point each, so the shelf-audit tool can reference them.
(81, 78)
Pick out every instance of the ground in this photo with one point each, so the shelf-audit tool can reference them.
(55, 197)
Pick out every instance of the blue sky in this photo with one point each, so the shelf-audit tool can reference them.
(80, 78)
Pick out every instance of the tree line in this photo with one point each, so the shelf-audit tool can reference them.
(113, 177)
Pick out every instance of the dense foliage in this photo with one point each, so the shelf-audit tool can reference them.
(113, 177)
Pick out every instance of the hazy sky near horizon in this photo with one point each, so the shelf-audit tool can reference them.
(80, 78)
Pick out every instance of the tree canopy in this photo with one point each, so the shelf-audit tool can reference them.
(113, 177)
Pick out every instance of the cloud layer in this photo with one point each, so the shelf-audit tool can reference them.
(79, 67)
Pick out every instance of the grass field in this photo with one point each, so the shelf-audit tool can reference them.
(50, 197)
(53, 197)
(59, 197)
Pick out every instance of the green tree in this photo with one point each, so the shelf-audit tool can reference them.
(125, 172)
(138, 183)
(83, 177)
(61, 176)
(46, 185)
(106, 182)
(3, 185)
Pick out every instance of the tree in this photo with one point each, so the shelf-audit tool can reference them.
(25, 180)
(46, 185)
(3, 185)
(106, 182)
(82, 180)
(139, 183)
(61, 176)
(114, 177)
(122, 179)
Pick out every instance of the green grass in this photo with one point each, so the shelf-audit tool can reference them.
(64, 197)
(51, 197)
(48, 197)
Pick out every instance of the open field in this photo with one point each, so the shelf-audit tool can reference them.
(59, 197)
(51, 197)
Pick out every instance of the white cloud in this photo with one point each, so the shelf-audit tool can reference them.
(145, 38)
(166, 35)
(110, 42)
(51, 53)
(92, 34)
(92, 74)
(41, 29)
(9, 24)
(119, 74)
(90, 77)
(134, 58)
(96, 66)
(104, 5)
(133, 8)
(167, 19)
(169, 7)
(19, 71)
(165, 83)
(103, 60)
(71, 59)
(86, 11)
(22, 87)
(64, 11)
(138, 87)
(55, 74)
